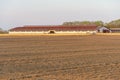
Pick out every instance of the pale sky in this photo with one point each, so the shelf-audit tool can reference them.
(15, 13)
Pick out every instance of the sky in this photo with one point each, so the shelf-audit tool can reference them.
(15, 13)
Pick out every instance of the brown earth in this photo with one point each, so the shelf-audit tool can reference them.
(60, 57)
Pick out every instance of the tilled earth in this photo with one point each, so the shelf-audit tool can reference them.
(60, 57)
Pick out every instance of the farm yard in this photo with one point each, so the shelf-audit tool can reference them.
(91, 57)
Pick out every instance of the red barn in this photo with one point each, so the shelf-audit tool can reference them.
(54, 29)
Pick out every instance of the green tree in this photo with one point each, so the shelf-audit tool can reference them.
(114, 24)
(76, 23)
(2, 31)
(99, 23)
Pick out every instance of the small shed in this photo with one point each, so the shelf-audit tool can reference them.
(102, 29)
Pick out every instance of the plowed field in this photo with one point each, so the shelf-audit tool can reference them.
(60, 57)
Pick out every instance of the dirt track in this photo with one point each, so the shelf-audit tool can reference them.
(60, 57)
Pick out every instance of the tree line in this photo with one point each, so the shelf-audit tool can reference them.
(2, 31)
(112, 24)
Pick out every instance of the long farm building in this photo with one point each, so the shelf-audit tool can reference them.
(53, 29)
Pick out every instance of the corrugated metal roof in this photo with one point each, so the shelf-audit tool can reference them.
(56, 28)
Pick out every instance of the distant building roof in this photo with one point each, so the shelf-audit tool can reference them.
(56, 28)
(114, 28)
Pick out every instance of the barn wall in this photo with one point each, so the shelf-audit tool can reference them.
(26, 32)
(60, 32)
(46, 32)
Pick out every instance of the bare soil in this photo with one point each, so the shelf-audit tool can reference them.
(60, 57)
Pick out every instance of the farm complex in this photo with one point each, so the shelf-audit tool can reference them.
(57, 29)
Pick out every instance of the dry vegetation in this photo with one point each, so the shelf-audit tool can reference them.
(60, 57)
